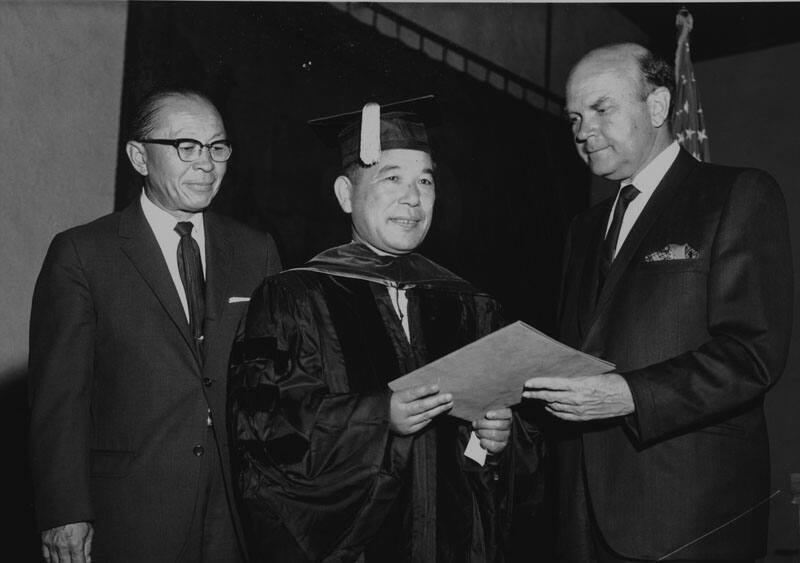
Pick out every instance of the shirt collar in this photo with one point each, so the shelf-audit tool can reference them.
(163, 224)
(647, 180)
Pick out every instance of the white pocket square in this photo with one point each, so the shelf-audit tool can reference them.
(673, 252)
(238, 299)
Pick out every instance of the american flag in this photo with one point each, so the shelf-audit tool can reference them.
(688, 123)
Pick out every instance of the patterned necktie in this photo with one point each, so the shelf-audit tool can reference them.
(191, 271)
(626, 196)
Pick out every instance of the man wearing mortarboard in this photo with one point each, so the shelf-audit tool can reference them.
(331, 464)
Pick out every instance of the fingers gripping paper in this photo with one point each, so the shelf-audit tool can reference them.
(490, 372)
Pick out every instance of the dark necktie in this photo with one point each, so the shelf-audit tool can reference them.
(626, 196)
(191, 271)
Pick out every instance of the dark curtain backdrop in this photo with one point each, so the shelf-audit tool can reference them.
(508, 181)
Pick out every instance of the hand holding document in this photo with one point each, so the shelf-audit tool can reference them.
(490, 372)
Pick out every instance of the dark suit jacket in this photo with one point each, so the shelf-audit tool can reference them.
(119, 395)
(699, 342)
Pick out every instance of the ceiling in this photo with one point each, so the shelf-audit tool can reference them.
(720, 29)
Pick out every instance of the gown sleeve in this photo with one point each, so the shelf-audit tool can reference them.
(308, 453)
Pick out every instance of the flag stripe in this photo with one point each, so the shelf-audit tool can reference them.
(688, 123)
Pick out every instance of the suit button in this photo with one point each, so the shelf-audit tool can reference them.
(198, 450)
(207, 382)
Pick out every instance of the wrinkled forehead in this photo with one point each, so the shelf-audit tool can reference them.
(604, 74)
(181, 111)
(408, 161)
(411, 161)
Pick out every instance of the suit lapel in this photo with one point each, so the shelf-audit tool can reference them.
(587, 295)
(219, 259)
(659, 201)
(140, 245)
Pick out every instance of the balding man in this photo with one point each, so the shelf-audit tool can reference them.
(684, 280)
(134, 316)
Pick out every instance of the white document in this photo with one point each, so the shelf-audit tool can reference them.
(490, 372)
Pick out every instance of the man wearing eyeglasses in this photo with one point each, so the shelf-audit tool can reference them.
(133, 319)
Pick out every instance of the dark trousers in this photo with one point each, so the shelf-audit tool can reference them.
(590, 546)
(212, 536)
(603, 554)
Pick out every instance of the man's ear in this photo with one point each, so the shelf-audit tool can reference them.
(658, 105)
(343, 188)
(137, 156)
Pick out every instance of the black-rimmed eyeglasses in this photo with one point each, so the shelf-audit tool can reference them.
(189, 149)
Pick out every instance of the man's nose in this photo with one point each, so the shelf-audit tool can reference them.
(410, 194)
(584, 130)
(204, 161)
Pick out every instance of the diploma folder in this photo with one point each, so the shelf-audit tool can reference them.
(491, 372)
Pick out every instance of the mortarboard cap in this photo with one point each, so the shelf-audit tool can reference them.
(362, 135)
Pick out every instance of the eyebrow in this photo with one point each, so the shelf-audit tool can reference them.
(219, 135)
(387, 168)
(602, 100)
(222, 140)
(392, 167)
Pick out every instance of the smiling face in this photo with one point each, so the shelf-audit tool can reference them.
(618, 126)
(180, 188)
(391, 202)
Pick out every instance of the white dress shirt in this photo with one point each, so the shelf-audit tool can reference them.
(400, 302)
(163, 226)
(646, 181)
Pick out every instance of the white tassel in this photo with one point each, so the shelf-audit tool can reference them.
(370, 150)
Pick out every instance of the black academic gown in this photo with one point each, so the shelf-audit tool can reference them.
(320, 475)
